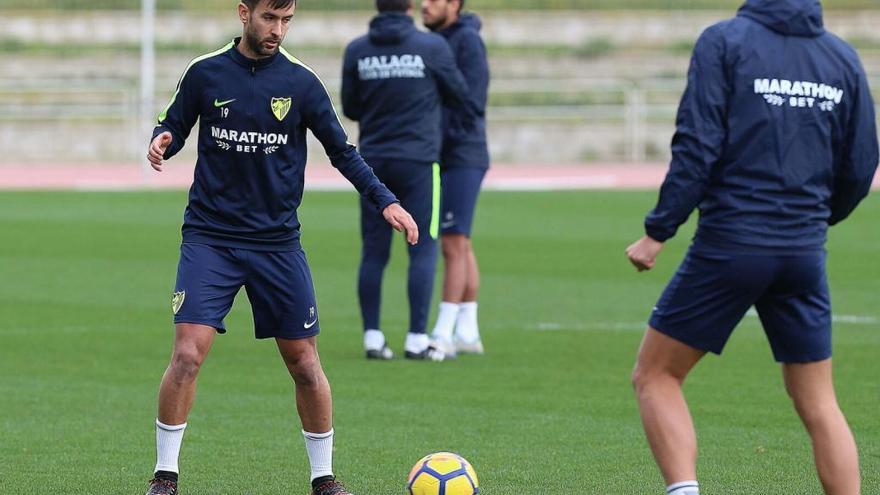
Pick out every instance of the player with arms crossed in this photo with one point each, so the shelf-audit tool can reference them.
(775, 141)
(464, 161)
(254, 102)
(394, 80)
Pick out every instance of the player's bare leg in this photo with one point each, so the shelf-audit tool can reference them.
(662, 365)
(455, 266)
(313, 399)
(176, 394)
(472, 282)
(178, 389)
(455, 280)
(315, 407)
(811, 387)
(467, 328)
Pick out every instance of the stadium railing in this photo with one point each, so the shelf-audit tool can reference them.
(639, 115)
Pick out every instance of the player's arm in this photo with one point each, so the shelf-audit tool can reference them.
(453, 86)
(351, 105)
(473, 61)
(175, 122)
(858, 164)
(697, 146)
(321, 118)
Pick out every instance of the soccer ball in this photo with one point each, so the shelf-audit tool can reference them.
(442, 473)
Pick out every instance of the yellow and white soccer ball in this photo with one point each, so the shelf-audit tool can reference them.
(442, 473)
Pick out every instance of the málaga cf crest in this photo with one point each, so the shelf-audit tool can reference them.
(280, 107)
(177, 301)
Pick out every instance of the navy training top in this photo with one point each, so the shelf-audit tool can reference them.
(393, 80)
(249, 177)
(464, 146)
(776, 135)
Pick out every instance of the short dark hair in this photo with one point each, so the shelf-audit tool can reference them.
(460, 5)
(275, 4)
(393, 5)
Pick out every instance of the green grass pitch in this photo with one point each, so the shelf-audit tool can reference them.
(86, 333)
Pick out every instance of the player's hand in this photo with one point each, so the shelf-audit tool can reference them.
(643, 253)
(402, 221)
(157, 150)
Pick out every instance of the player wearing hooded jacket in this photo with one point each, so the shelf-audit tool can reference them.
(775, 141)
(464, 162)
(394, 83)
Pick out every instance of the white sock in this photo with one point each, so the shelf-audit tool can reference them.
(168, 439)
(466, 328)
(374, 340)
(446, 321)
(319, 446)
(683, 488)
(416, 342)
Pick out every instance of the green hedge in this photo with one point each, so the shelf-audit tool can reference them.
(477, 5)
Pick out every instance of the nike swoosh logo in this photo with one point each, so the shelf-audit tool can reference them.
(218, 103)
(310, 325)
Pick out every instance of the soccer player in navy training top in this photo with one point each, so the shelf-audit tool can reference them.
(254, 102)
(775, 141)
(464, 161)
(393, 82)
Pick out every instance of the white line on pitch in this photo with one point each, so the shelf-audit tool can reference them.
(847, 319)
(549, 326)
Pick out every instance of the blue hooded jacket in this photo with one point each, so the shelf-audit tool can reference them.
(393, 80)
(249, 177)
(776, 136)
(464, 146)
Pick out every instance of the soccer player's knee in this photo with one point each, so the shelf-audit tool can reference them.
(644, 376)
(424, 250)
(637, 379)
(422, 261)
(791, 393)
(378, 257)
(454, 246)
(306, 371)
(185, 365)
(815, 412)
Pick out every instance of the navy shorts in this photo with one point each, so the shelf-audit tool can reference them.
(711, 293)
(278, 285)
(459, 189)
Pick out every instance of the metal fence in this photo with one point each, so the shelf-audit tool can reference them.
(98, 121)
(91, 101)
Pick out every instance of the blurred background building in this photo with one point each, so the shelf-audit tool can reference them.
(574, 81)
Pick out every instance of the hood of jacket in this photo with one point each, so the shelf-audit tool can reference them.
(390, 28)
(465, 21)
(788, 17)
(471, 20)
